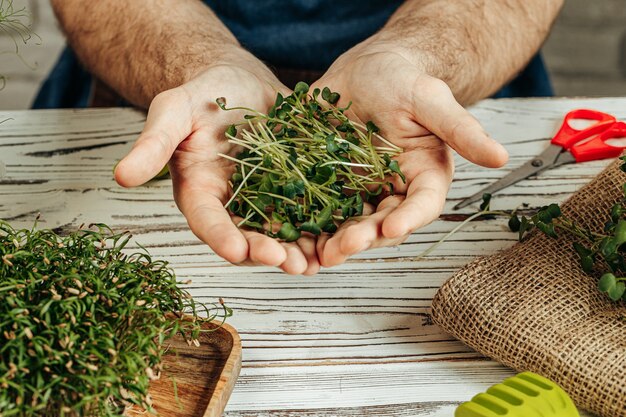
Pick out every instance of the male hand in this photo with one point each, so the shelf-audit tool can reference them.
(186, 127)
(418, 113)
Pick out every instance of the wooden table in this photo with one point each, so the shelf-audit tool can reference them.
(355, 340)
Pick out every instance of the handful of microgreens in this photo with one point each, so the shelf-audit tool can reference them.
(305, 166)
(83, 325)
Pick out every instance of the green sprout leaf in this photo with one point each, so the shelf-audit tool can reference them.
(393, 166)
(280, 99)
(288, 232)
(547, 229)
(301, 88)
(293, 188)
(554, 210)
(616, 292)
(586, 263)
(325, 216)
(371, 127)
(324, 175)
(544, 216)
(311, 227)
(620, 232)
(607, 281)
(514, 223)
(333, 98)
(326, 93)
(221, 102)
(524, 228)
(331, 144)
(486, 202)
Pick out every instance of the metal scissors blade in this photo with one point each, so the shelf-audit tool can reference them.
(547, 159)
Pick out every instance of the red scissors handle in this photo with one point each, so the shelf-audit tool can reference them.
(567, 136)
(597, 148)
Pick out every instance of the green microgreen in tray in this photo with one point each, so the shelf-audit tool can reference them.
(305, 166)
(84, 322)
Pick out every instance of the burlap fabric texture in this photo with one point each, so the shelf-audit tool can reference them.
(532, 308)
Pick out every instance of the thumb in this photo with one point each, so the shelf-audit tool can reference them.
(440, 113)
(168, 123)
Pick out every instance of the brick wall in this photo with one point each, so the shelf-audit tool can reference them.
(586, 52)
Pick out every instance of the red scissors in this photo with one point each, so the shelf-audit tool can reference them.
(567, 146)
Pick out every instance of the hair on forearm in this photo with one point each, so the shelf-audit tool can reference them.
(140, 48)
(476, 46)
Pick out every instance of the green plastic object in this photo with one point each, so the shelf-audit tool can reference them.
(524, 395)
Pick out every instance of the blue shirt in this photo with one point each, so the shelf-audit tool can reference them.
(295, 34)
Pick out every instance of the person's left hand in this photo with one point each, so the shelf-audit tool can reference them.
(418, 113)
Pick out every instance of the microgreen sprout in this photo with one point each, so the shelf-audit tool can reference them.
(84, 323)
(305, 166)
(603, 252)
(600, 254)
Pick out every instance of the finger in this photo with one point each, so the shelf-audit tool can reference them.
(307, 244)
(330, 255)
(438, 111)
(210, 222)
(320, 246)
(295, 263)
(357, 235)
(424, 202)
(168, 123)
(367, 234)
(265, 250)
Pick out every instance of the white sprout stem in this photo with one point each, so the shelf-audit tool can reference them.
(255, 208)
(239, 161)
(243, 181)
(352, 146)
(349, 164)
(245, 219)
(282, 197)
(397, 148)
(452, 232)
(257, 148)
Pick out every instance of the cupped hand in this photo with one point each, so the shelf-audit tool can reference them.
(418, 113)
(185, 128)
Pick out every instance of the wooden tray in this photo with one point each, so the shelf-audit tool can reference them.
(204, 376)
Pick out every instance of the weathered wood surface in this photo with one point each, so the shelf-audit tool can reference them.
(354, 340)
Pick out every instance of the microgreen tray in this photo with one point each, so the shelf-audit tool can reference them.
(197, 381)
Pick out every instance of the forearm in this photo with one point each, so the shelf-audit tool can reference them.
(474, 46)
(141, 48)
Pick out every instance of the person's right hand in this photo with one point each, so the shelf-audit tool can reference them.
(185, 127)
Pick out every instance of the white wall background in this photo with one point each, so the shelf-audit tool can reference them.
(586, 52)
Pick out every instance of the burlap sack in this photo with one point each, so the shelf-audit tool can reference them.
(532, 308)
